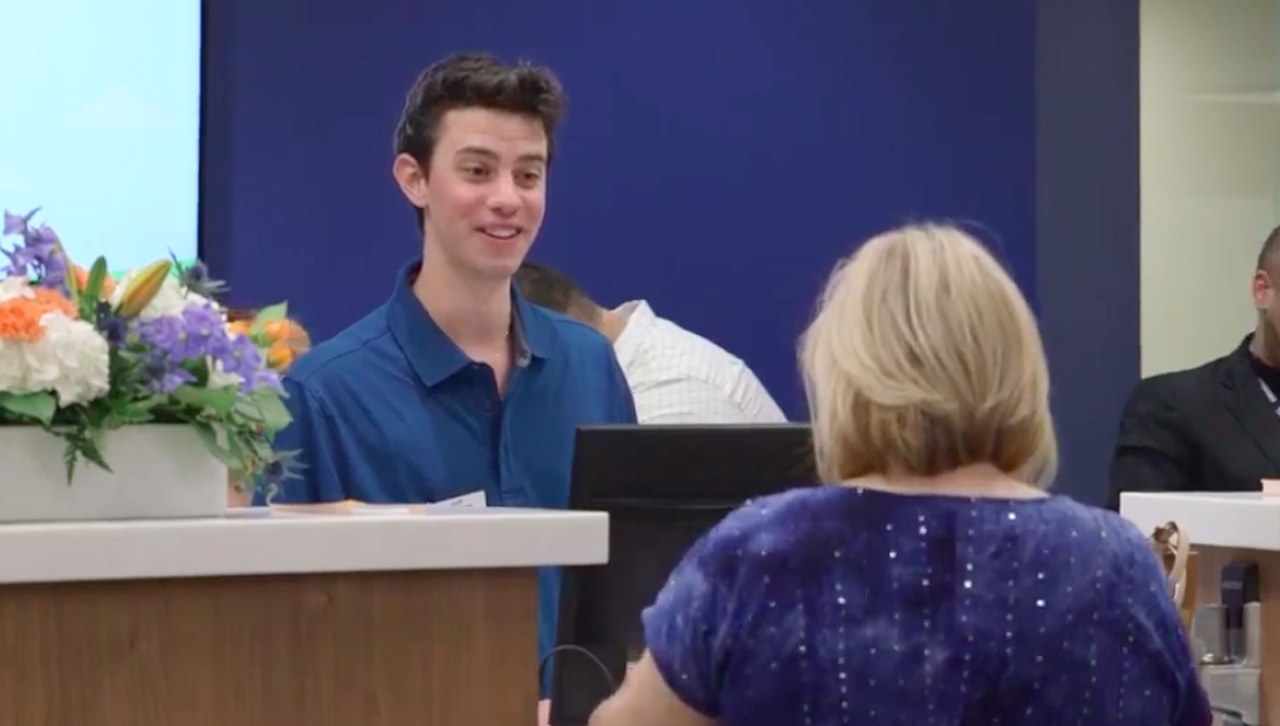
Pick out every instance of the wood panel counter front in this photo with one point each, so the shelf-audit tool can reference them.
(270, 619)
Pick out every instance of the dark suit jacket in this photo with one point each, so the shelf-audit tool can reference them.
(1206, 429)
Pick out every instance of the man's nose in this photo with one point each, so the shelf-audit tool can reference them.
(505, 198)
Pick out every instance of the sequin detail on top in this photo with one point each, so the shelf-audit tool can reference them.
(828, 606)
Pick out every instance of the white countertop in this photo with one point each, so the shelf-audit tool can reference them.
(258, 541)
(1236, 520)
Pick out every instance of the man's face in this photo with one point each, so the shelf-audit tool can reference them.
(484, 193)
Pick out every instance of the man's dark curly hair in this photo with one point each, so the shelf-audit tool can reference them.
(475, 80)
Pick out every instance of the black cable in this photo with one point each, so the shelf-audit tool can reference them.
(542, 667)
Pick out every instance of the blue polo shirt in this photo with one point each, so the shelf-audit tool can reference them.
(392, 411)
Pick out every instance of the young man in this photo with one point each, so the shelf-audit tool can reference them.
(456, 384)
(676, 376)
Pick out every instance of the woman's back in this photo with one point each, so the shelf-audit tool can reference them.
(840, 605)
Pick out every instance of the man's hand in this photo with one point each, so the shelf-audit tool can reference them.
(544, 713)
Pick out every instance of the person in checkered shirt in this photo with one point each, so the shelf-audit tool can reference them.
(676, 376)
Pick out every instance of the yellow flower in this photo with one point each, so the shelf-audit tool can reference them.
(142, 289)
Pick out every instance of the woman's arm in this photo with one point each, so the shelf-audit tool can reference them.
(646, 700)
(690, 632)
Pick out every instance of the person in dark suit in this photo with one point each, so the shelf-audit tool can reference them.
(1215, 427)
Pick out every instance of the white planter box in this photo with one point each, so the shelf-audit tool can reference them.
(158, 472)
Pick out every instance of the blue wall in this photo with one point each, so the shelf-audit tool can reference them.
(718, 156)
(1087, 225)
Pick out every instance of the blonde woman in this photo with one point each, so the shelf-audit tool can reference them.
(933, 581)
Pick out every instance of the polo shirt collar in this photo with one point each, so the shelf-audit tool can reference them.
(432, 354)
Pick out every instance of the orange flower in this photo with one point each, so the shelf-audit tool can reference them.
(288, 341)
(54, 301)
(20, 317)
(288, 332)
(20, 320)
(279, 356)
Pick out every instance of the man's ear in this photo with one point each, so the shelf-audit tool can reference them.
(1263, 291)
(412, 179)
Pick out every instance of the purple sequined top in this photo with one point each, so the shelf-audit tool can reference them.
(836, 605)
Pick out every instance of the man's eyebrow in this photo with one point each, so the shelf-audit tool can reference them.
(476, 151)
(489, 154)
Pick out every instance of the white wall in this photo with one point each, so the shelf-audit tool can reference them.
(1210, 171)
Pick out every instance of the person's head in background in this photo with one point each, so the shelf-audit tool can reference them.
(473, 146)
(552, 289)
(1266, 300)
(924, 360)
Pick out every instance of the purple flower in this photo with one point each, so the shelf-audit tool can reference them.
(163, 376)
(13, 224)
(19, 262)
(113, 327)
(33, 252)
(195, 278)
(43, 237)
(206, 332)
(40, 252)
(266, 378)
(166, 337)
(284, 466)
(244, 359)
(55, 273)
(198, 332)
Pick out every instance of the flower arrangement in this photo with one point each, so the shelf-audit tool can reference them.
(82, 354)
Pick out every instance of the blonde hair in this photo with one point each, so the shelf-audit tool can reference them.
(924, 357)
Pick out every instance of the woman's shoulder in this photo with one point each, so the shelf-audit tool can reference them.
(774, 523)
(790, 519)
(783, 511)
(1109, 530)
(788, 503)
(1075, 543)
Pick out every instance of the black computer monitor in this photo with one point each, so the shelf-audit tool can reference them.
(663, 487)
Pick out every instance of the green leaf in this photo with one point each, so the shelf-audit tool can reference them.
(127, 415)
(146, 404)
(279, 311)
(72, 287)
(209, 437)
(236, 450)
(90, 448)
(69, 457)
(97, 276)
(39, 406)
(199, 369)
(274, 414)
(217, 400)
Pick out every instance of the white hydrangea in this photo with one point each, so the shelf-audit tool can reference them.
(14, 287)
(13, 367)
(71, 359)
